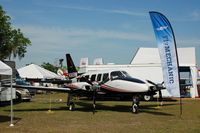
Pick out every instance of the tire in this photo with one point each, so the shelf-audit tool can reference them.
(134, 108)
(148, 97)
(18, 97)
(27, 100)
(71, 107)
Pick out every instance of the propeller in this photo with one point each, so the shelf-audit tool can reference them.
(159, 87)
(94, 86)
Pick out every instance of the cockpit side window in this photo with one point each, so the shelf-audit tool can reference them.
(116, 74)
(84, 78)
(99, 77)
(125, 74)
(93, 77)
(105, 76)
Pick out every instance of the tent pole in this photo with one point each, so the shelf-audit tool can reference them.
(11, 102)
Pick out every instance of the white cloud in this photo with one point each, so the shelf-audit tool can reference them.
(188, 42)
(126, 12)
(54, 38)
(73, 36)
(54, 41)
(195, 15)
(114, 11)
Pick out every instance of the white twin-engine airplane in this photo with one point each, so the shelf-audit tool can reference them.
(109, 83)
(101, 83)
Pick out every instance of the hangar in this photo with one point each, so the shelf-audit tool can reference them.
(146, 64)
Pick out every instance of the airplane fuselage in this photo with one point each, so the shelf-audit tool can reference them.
(110, 81)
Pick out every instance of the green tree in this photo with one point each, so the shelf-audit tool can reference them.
(12, 41)
(49, 67)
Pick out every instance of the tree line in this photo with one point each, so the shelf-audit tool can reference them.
(13, 43)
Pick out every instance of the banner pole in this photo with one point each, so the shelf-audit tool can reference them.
(168, 53)
(181, 108)
(11, 104)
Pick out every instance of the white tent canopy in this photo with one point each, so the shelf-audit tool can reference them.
(33, 71)
(5, 69)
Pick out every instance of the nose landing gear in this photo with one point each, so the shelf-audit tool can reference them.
(135, 104)
(70, 102)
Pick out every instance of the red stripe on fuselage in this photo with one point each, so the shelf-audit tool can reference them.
(71, 86)
(109, 88)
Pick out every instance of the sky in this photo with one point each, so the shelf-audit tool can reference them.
(108, 29)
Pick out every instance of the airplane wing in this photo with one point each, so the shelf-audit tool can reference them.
(57, 81)
(40, 88)
(55, 89)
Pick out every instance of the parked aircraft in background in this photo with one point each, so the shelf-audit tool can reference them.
(108, 82)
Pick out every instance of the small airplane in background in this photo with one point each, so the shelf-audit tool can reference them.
(108, 82)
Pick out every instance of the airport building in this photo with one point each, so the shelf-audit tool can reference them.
(146, 64)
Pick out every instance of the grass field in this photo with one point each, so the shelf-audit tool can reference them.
(110, 117)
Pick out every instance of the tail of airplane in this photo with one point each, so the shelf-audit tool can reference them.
(19, 80)
(72, 72)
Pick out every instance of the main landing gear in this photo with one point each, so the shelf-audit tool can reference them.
(135, 104)
(71, 106)
(134, 108)
(70, 102)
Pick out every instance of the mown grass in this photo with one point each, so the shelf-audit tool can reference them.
(110, 117)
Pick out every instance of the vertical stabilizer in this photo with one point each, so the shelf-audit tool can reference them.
(72, 72)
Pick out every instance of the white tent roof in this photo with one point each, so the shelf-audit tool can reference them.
(5, 69)
(33, 71)
(151, 56)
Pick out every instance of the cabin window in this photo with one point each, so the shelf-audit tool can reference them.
(105, 76)
(84, 78)
(93, 77)
(99, 77)
(87, 77)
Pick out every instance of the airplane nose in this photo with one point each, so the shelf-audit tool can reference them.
(145, 87)
(152, 88)
(148, 88)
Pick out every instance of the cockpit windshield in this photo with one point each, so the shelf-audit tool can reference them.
(125, 74)
(119, 74)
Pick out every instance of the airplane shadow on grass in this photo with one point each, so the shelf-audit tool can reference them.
(151, 109)
(40, 109)
(88, 107)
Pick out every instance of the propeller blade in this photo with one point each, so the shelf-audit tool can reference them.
(151, 82)
(160, 97)
(69, 99)
(103, 82)
(159, 87)
(86, 80)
